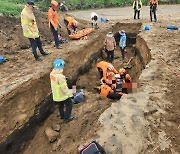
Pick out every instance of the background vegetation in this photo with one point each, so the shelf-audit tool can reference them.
(14, 7)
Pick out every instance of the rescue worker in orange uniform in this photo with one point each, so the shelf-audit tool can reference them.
(53, 22)
(117, 88)
(125, 76)
(105, 90)
(104, 68)
(70, 23)
(153, 9)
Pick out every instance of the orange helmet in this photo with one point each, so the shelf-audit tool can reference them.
(75, 23)
(54, 4)
(122, 71)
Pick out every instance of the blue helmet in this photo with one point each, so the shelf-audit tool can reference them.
(146, 28)
(58, 64)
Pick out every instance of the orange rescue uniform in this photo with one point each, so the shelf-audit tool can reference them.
(105, 90)
(104, 66)
(70, 22)
(52, 15)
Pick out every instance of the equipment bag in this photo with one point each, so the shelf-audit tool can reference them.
(93, 148)
(79, 97)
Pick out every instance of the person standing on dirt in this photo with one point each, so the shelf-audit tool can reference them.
(61, 94)
(137, 5)
(54, 23)
(110, 45)
(94, 19)
(153, 9)
(122, 42)
(70, 22)
(30, 29)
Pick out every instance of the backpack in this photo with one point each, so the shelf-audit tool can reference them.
(79, 97)
(92, 148)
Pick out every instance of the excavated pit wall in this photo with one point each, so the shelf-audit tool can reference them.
(37, 93)
(125, 118)
(32, 92)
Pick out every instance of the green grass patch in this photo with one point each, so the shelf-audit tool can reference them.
(10, 8)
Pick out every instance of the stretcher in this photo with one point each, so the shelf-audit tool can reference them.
(81, 33)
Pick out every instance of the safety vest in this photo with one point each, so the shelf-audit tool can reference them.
(58, 95)
(28, 23)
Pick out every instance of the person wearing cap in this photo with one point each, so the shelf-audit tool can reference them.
(70, 22)
(110, 45)
(94, 19)
(30, 29)
(153, 9)
(53, 22)
(137, 5)
(60, 91)
(122, 42)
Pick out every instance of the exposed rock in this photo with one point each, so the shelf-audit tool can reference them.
(51, 134)
(56, 128)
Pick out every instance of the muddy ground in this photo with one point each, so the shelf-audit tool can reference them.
(142, 122)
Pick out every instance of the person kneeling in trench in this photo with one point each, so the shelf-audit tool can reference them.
(117, 87)
(114, 91)
(61, 94)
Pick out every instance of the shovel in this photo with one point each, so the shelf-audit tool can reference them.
(128, 64)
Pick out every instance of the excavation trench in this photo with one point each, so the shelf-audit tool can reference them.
(29, 137)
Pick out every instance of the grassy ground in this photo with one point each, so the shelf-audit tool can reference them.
(12, 8)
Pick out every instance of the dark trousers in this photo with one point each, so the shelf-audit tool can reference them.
(110, 56)
(55, 35)
(34, 44)
(68, 104)
(153, 11)
(122, 52)
(136, 12)
(113, 96)
(100, 72)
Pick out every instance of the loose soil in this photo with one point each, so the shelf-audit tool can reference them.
(150, 117)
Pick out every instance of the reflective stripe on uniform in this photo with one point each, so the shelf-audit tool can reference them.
(30, 34)
(26, 22)
(57, 93)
